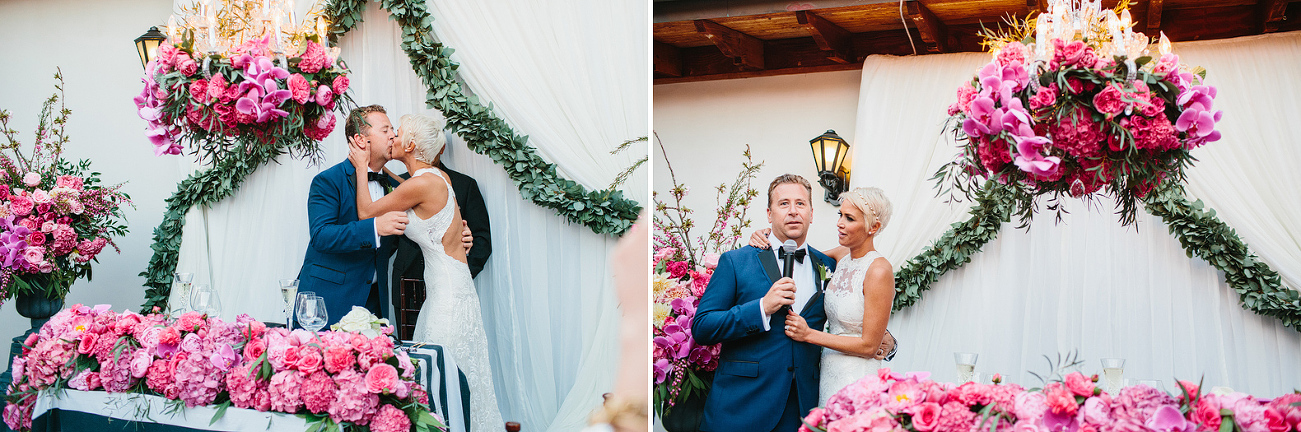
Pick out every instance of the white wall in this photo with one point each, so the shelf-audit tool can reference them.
(93, 43)
(704, 126)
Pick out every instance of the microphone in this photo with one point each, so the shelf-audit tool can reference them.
(788, 268)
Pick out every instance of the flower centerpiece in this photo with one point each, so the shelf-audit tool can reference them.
(251, 94)
(56, 216)
(893, 402)
(1071, 104)
(683, 265)
(335, 379)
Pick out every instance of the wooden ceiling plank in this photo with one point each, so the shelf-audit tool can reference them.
(1154, 9)
(931, 28)
(745, 50)
(668, 59)
(1272, 14)
(829, 36)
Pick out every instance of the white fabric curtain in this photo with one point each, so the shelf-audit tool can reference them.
(546, 297)
(1088, 284)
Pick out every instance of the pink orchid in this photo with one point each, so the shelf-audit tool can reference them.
(263, 95)
(1167, 418)
(1029, 159)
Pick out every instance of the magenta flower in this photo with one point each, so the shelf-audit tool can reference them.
(1197, 119)
(1167, 418)
(262, 96)
(1029, 159)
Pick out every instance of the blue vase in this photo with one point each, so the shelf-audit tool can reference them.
(37, 307)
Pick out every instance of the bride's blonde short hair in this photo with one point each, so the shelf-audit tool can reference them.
(873, 203)
(427, 134)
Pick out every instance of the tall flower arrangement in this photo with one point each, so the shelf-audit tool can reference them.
(683, 265)
(1077, 121)
(893, 402)
(335, 378)
(56, 216)
(218, 101)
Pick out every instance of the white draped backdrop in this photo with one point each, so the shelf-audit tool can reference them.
(546, 296)
(1088, 284)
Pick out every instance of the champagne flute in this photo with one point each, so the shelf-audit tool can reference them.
(311, 313)
(966, 363)
(1113, 369)
(181, 286)
(205, 300)
(289, 292)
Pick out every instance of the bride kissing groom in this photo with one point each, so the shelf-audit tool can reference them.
(767, 380)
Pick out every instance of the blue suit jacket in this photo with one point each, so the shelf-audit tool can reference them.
(342, 257)
(757, 367)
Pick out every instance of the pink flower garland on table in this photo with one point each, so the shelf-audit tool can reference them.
(198, 359)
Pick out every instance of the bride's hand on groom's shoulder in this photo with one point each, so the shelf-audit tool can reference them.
(760, 238)
(797, 328)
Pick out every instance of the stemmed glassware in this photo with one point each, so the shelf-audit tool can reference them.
(966, 363)
(289, 292)
(1113, 370)
(205, 300)
(310, 311)
(181, 287)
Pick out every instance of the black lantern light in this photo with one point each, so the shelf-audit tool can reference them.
(830, 152)
(147, 45)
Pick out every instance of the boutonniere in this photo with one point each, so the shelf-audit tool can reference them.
(823, 274)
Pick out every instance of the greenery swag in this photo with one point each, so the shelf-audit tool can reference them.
(1199, 231)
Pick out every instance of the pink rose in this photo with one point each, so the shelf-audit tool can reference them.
(87, 343)
(34, 254)
(926, 416)
(1274, 420)
(1079, 384)
(21, 205)
(254, 349)
(32, 179)
(815, 418)
(309, 360)
(36, 239)
(382, 378)
(187, 65)
(1046, 97)
(710, 261)
(1060, 400)
(340, 84)
(216, 86)
(1109, 101)
(324, 97)
(199, 90)
(338, 359)
(677, 269)
(299, 88)
(1207, 414)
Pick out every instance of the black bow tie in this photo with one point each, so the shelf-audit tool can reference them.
(374, 176)
(798, 254)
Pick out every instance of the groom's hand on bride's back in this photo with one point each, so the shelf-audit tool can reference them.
(782, 293)
(391, 223)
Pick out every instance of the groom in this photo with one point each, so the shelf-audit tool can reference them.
(765, 381)
(347, 259)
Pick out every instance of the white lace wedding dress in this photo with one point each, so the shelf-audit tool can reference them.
(843, 303)
(450, 316)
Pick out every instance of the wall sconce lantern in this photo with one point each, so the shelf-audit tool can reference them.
(147, 45)
(830, 152)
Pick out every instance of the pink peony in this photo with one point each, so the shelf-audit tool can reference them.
(186, 65)
(1045, 97)
(338, 359)
(1060, 400)
(318, 391)
(313, 58)
(199, 90)
(354, 402)
(382, 378)
(678, 269)
(1079, 384)
(1110, 101)
(325, 97)
(340, 84)
(299, 87)
(21, 205)
(216, 87)
(390, 419)
(926, 416)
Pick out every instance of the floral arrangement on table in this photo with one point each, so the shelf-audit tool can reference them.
(55, 215)
(335, 379)
(1064, 113)
(217, 101)
(683, 265)
(889, 401)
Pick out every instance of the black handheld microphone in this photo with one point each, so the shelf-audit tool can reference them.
(788, 268)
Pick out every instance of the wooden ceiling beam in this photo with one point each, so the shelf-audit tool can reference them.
(1154, 9)
(1040, 6)
(933, 30)
(668, 59)
(830, 37)
(743, 49)
(1272, 14)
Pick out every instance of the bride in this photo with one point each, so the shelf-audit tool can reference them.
(450, 316)
(858, 299)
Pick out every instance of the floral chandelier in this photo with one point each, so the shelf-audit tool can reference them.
(219, 26)
(1072, 103)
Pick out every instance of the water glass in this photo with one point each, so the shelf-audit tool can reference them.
(205, 300)
(1156, 384)
(1113, 372)
(289, 292)
(181, 288)
(966, 363)
(311, 313)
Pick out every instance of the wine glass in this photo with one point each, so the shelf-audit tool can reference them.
(966, 363)
(298, 303)
(289, 292)
(311, 313)
(181, 286)
(205, 300)
(1113, 369)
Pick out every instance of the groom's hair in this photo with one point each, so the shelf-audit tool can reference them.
(788, 178)
(357, 123)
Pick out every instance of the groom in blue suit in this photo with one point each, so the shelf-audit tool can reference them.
(765, 381)
(347, 259)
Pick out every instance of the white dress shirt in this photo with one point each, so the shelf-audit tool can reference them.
(376, 192)
(803, 275)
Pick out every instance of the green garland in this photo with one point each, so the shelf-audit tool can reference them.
(1259, 287)
(604, 211)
